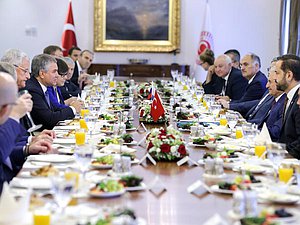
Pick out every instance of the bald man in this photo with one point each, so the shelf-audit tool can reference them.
(223, 79)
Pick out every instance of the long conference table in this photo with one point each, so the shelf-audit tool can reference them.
(175, 206)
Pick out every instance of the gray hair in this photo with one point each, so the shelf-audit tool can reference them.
(255, 59)
(8, 68)
(69, 61)
(226, 58)
(86, 50)
(14, 56)
(41, 62)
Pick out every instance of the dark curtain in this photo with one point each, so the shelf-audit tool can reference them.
(294, 26)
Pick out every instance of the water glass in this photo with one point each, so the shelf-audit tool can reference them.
(83, 155)
(126, 164)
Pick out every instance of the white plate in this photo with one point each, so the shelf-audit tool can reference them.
(26, 174)
(142, 187)
(64, 141)
(251, 168)
(113, 148)
(107, 194)
(184, 130)
(105, 166)
(235, 148)
(195, 145)
(53, 158)
(68, 151)
(293, 189)
(279, 198)
(215, 188)
(34, 183)
(214, 177)
(70, 127)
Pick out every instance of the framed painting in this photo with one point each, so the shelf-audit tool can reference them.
(137, 25)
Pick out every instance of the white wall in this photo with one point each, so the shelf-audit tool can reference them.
(247, 25)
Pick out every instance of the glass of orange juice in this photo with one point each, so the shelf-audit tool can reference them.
(83, 124)
(285, 174)
(71, 174)
(239, 133)
(111, 84)
(259, 150)
(80, 137)
(84, 112)
(41, 217)
(223, 121)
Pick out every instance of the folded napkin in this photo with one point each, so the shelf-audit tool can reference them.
(11, 210)
(116, 148)
(264, 136)
(216, 219)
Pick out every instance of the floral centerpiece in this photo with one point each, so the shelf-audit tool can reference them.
(145, 115)
(166, 144)
(144, 89)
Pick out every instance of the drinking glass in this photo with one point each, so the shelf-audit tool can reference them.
(80, 137)
(33, 127)
(91, 122)
(215, 109)
(232, 120)
(276, 152)
(174, 74)
(63, 190)
(83, 155)
(110, 74)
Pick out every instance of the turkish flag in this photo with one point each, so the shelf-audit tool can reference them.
(157, 109)
(68, 38)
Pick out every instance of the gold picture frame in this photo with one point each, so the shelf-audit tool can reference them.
(118, 28)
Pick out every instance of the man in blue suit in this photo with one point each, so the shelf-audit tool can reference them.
(44, 73)
(288, 80)
(223, 79)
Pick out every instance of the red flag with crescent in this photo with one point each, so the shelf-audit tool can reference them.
(157, 108)
(69, 36)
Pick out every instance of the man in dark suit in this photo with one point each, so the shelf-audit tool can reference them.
(69, 89)
(223, 79)
(12, 150)
(55, 95)
(288, 80)
(44, 73)
(80, 76)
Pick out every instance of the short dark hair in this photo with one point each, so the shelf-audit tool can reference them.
(235, 53)
(41, 62)
(207, 56)
(291, 62)
(72, 49)
(62, 66)
(51, 49)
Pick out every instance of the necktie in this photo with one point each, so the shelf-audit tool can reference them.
(223, 87)
(285, 108)
(8, 163)
(47, 98)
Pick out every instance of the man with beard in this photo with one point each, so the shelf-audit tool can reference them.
(288, 80)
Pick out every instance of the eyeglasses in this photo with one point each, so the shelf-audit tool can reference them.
(21, 68)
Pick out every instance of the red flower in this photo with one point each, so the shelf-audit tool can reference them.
(165, 148)
(142, 112)
(163, 132)
(150, 145)
(141, 91)
(182, 150)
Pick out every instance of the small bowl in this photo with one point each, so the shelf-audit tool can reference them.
(210, 145)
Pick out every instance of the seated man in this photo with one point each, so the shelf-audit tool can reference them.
(44, 73)
(12, 152)
(250, 67)
(55, 95)
(223, 79)
(69, 89)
